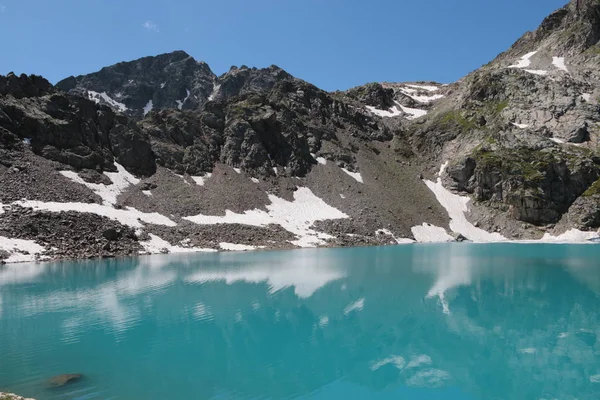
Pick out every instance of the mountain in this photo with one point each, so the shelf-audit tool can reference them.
(160, 154)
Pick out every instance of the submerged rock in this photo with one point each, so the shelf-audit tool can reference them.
(65, 379)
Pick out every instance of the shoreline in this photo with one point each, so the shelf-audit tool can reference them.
(593, 241)
(12, 396)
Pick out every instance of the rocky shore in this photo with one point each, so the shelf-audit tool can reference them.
(10, 396)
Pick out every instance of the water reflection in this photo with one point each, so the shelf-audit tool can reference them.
(448, 321)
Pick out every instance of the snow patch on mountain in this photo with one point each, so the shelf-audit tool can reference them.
(148, 107)
(413, 113)
(392, 112)
(457, 206)
(428, 233)
(320, 160)
(216, 89)
(156, 245)
(201, 180)
(295, 216)
(387, 232)
(524, 62)
(238, 247)
(180, 103)
(127, 216)
(20, 250)
(356, 175)
(571, 236)
(421, 98)
(121, 180)
(540, 72)
(425, 87)
(520, 126)
(559, 62)
(98, 97)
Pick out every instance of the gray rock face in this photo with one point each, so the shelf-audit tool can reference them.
(70, 129)
(173, 80)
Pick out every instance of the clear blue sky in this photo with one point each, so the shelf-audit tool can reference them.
(335, 44)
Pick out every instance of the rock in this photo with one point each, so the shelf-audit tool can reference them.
(11, 396)
(458, 237)
(111, 234)
(148, 186)
(65, 379)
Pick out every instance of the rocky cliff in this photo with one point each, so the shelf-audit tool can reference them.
(160, 154)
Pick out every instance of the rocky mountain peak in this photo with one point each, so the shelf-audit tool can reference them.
(570, 30)
(171, 80)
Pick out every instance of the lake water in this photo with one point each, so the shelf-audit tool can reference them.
(451, 321)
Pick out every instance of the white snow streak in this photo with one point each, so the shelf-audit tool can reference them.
(425, 87)
(457, 206)
(387, 232)
(157, 245)
(521, 126)
(587, 97)
(201, 180)
(320, 160)
(421, 98)
(392, 112)
(127, 216)
(295, 216)
(214, 92)
(97, 97)
(238, 247)
(20, 250)
(180, 103)
(414, 113)
(238, 170)
(428, 233)
(121, 180)
(572, 236)
(556, 140)
(525, 61)
(162, 85)
(559, 62)
(540, 72)
(255, 180)
(356, 175)
(148, 107)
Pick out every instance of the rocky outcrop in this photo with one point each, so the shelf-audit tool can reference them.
(11, 396)
(70, 129)
(70, 235)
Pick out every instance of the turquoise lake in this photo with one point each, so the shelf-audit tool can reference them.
(451, 321)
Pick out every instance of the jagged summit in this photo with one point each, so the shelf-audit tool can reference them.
(168, 81)
(171, 80)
